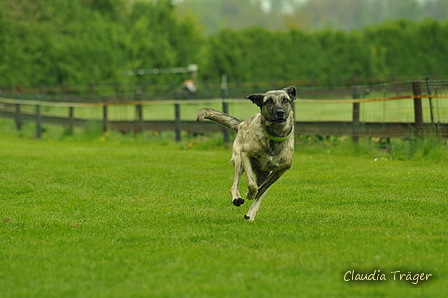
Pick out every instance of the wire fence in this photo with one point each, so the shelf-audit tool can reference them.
(385, 110)
(384, 102)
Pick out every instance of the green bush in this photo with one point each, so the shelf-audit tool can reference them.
(431, 148)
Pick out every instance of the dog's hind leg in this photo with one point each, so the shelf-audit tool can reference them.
(235, 190)
(252, 185)
(274, 176)
(262, 190)
(261, 178)
(250, 215)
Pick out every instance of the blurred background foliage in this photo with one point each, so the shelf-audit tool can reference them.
(54, 42)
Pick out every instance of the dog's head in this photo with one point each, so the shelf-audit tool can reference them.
(275, 105)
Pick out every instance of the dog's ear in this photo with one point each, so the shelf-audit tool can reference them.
(256, 99)
(291, 91)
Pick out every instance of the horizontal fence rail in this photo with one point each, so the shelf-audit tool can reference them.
(34, 110)
(198, 101)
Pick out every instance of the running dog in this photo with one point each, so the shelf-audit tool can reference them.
(264, 144)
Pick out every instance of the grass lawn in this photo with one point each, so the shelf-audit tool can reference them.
(114, 217)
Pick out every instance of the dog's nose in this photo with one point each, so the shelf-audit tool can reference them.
(280, 113)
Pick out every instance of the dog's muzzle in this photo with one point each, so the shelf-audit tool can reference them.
(279, 116)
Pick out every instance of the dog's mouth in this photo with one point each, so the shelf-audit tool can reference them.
(279, 120)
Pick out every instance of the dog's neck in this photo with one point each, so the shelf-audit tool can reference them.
(275, 138)
(277, 132)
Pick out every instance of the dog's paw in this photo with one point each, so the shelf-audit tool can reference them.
(238, 202)
(248, 218)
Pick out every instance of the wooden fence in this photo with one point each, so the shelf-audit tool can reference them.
(13, 108)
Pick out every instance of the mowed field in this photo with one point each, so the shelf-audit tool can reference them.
(114, 217)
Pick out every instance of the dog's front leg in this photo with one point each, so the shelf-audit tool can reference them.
(235, 190)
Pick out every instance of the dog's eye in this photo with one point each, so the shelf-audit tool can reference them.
(285, 100)
(269, 101)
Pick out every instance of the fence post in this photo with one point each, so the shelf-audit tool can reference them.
(138, 112)
(71, 114)
(18, 118)
(226, 131)
(225, 109)
(18, 115)
(177, 122)
(105, 123)
(225, 106)
(355, 121)
(38, 122)
(418, 111)
(431, 109)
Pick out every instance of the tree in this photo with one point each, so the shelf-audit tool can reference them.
(56, 41)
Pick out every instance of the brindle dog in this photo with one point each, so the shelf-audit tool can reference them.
(264, 144)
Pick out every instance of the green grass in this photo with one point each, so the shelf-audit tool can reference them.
(110, 216)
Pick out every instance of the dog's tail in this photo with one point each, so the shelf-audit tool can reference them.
(218, 117)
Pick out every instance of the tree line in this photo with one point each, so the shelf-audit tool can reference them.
(391, 49)
(54, 42)
(309, 15)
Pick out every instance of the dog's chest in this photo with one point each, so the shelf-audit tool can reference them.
(273, 160)
(271, 163)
